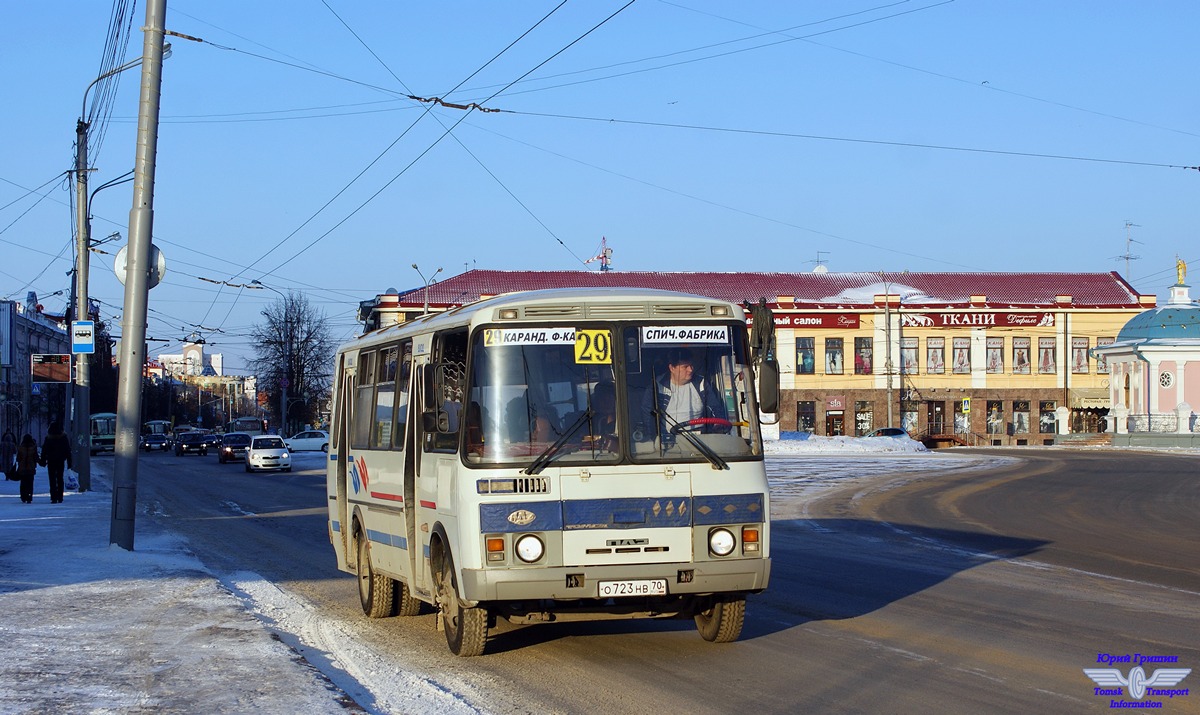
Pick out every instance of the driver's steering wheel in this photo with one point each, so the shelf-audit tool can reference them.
(695, 425)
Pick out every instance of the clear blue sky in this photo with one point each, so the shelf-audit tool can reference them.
(694, 135)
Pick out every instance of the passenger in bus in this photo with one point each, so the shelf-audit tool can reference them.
(474, 429)
(603, 432)
(524, 422)
(680, 396)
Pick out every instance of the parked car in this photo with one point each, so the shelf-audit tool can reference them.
(312, 440)
(267, 452)
(155, 441)
(895, 432)
(189, 442)
(233, 447)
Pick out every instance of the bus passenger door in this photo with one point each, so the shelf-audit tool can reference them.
(412, 465)
(340, 508)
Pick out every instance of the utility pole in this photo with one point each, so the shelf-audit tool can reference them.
(137, 281)
(81, 404)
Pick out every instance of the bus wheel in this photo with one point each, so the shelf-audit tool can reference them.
(406, 603)
(722, 621)
(466, 628)
(374, 590)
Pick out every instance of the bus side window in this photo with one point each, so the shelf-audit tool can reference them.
(449, 381)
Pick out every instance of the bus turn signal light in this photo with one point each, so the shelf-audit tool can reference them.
(495, 548)
(749, 539)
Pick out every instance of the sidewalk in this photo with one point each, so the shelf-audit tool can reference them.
(89, 628)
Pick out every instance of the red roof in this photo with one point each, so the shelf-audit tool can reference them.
(815, 290)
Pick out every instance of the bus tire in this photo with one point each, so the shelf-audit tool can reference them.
(374, 590)
(722, 621)
(406, 603)
(466, 628)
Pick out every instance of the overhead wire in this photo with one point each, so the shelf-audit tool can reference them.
(451, 129)
(854, 140)
(457, 139)
(726, 207)
(363, 171)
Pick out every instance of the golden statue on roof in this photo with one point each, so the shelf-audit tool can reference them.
(1180, 270)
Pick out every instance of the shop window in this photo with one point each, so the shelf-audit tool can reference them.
(806, 416)
(962, 420)
(1047, 363)
(863, 418)
(1020, 356)
(1079, 356)
(862, 356)
(995, 417)
(1101, 361)
(833, 356)
(995, 356)
(962, 356)
(909, 417)
(908, 356)
(806, 356)
(1046, 421)
(935, 356)
(1021, 416)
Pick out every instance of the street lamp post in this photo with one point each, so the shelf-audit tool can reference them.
(81, 402)
(285, 339)
(425, 311)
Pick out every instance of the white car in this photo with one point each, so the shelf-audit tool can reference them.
(267, 452)
(310, 441)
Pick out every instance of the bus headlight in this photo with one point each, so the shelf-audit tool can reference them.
(530, 548)
(721, 542)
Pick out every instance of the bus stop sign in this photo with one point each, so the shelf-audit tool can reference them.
(83, 337)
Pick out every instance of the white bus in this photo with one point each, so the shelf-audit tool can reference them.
(249, 425)
(475, 466)
(103, 430)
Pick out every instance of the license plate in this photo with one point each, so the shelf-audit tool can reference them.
(643, 587)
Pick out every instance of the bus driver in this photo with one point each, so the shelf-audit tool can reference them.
(680, 396)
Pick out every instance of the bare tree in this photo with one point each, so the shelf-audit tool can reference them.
(293, 359)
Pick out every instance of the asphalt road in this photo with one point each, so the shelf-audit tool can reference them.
(943, 592)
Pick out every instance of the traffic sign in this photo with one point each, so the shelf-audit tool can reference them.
(83, 337)
(966, 405)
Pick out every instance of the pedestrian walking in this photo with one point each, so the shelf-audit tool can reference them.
(8, 454)
(27, 461)
(56, 456)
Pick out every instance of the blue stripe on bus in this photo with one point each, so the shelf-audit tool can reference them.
(521, 516)
(728, 509)
(627, 513)
(620, 513)
(382, 537)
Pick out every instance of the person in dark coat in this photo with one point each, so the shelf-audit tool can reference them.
(27, 462)
(56, 455)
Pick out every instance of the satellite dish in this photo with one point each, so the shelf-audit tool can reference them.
(820, 269)
(157, 259)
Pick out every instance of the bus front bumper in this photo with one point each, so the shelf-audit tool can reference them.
(580, 582)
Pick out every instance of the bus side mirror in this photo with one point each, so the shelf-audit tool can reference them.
(428, 404)
(768, 386)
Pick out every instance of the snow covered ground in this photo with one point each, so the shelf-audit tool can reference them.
(85, 627)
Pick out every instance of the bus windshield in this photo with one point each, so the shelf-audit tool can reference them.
(643, 393)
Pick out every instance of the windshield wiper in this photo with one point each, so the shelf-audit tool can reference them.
(543, 459)
(692, 439)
